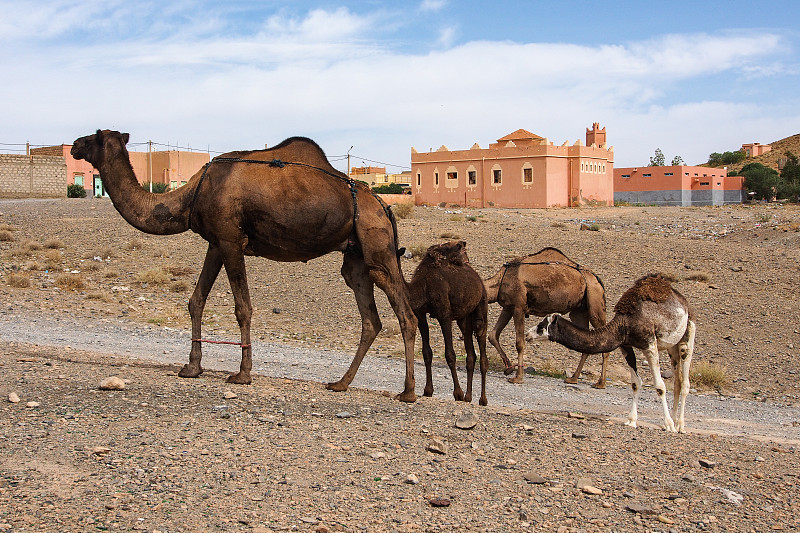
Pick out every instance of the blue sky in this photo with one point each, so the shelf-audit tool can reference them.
(690, 78)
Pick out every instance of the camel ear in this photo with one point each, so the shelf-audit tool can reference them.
(125, 138)
(463, 244)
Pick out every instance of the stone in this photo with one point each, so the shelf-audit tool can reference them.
(343, 414)
(437, 446)
(638, 508)
(229, 395)
(590, 489)
(412, 479)
(665, 520)
(705, 463)
(577, 416)
(534, 478)
(112, 383)
(377, 455)
(101, 450)
(439, 502)
(578, 435)
(32, 405)
(582, 482)
(467, 421)
(13, 397)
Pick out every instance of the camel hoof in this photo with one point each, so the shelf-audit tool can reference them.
(468, 398)
(515, 379)
(189, 371)
(631, 423)
(337, 386)
(509, 370)
(572, 381)
(407, 396)
(599, 385)
(483, 401)
(240, 379)
(428, 391)
(458, 395)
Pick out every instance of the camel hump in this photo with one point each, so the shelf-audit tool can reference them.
(292, 150)
(653, 287)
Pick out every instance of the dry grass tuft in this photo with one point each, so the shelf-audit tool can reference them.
(106, 252)
(91, 266)
(52, 258)
(6, 236)
(7, 227)
(699, 276)
(26, 248)
(450, 235)
(456, 218)
(709, 375)
(180, 270)
(154, 276)
(417, 250)
(179, 286)
(18, 280)
(403, 210)
(110, 273)
(100, 296)
(70, 282)
(135, 244)
(53, 244)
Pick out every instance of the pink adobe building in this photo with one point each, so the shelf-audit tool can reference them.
(520, 170)
(677, 185)
(172, 167)
(756, 149)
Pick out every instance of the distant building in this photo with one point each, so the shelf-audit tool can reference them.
(756, 149)
(520, 170)
(677, 185)
(172, 167)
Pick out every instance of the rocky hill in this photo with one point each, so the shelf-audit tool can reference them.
(771, 158)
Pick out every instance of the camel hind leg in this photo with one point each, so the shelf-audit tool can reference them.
(466, 327)
(212, 264)
(651, 353)
(682, 365)
(494, 337)
(519, 330)
(356, 275)
(233, 259)
(581, 319)
(450, 355)
(427, 352)
(636, 385)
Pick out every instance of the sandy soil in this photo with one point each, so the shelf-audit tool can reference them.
(182, 457)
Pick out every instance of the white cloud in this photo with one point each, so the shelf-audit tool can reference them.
(432, 5)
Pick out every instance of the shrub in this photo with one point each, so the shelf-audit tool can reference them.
(100, 296)
(472, 218)
(76, 191)
(456, 218)
(158, 188)
(450, 235)
(417, 250)
(135, 244)
(389, 188)
(53, 244)
(155, 276)
(6, 236)
(710, 375)
(699, 276)
(18, 280)
(52, 257)
(403, 210)
(179, 286)
(180, 270)
(70, 282)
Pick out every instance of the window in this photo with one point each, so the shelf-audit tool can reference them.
(452, 177)
(646, 175)
(668, 173)
(626, 175)
(704, 183)
(436, 179)
(527, 175)
(472, 177)
(419, 179)
(79, 179)
(173, 185)
(685, 173)
(497, 176)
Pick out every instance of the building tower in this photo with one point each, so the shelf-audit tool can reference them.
(596, 136)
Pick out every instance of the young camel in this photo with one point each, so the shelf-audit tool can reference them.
(650, 316)
(542, 283)
(446, 287)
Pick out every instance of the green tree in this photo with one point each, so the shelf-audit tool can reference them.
(789, 186)
(158, 188)
(76, 191)
(727, 158)
(761, 180)
(677, 160)
(389, 188)
(658, 159)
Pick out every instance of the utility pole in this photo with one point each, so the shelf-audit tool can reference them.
(150, 163)
(348, 161)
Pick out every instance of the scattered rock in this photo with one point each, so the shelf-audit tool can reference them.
(575, 415)
(378, 455)
(665, 520)
(230, 395)
(13, 398)
(344, 414)
(534, 478)
(440, 502)
(639, 508)
(100, 450)
(112, 383)
(590, 489)
(705, 463)
(412, 479)
(32, 405)
(437, 446)
(467, 421)
(578, 435)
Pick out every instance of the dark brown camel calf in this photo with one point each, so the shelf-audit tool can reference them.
(446, 287)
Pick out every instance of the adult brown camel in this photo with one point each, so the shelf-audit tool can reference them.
(543, 283)
(286, 204)
(650, 316)
(447, 288)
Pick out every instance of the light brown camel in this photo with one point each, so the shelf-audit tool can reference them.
(446, 287)
(650, 316)
(286, 204)
(542, 283)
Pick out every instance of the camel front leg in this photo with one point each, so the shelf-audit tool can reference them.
(519, 328)
(356, 275)
(651, 353)
(494, 338)
(211, 267)
(450, 356)
(681, 377)
(465, 325)
(601, 383)
(427, 352)
(233, 260)
(636, 385)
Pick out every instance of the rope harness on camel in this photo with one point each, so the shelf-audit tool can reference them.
(352, 242)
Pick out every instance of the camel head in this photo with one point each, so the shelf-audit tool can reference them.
(92, 147)
(542, 331)
(453, 253)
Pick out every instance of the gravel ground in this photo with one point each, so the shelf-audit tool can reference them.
(167, 454)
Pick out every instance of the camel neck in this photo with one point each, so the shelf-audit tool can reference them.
(601, 340)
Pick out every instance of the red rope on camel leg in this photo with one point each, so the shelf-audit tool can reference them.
(223, 342)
